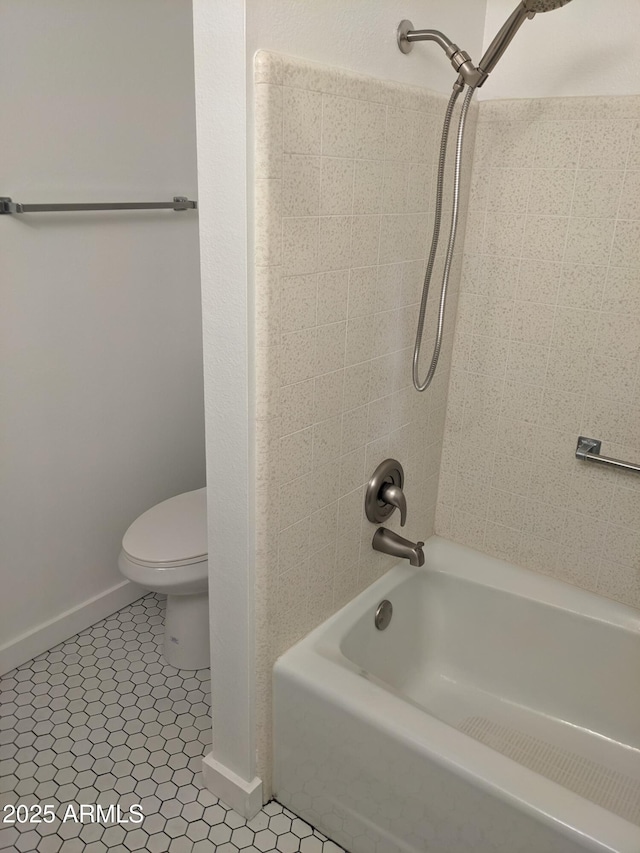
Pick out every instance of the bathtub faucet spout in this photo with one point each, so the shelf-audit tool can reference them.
(389, 542)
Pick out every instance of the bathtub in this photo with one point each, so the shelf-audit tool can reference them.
(498, 711)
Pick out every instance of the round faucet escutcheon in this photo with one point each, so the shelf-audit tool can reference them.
(384, 493)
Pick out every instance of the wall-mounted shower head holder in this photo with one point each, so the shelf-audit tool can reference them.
(473, 75)
(460, 59)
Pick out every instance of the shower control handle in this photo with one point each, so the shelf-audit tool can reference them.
(384, 493)
(392, 494)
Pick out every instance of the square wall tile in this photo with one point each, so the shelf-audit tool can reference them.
(597, 193)
(338, 126)
(302, 122)
(301, 176)
(299, 245)
(337, 186)
(370, 130)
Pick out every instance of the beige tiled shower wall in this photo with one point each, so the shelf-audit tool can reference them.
(344, 196)
(547, 344)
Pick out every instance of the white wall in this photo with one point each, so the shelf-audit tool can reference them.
(585, 48)
(100, 336)
(361, 35)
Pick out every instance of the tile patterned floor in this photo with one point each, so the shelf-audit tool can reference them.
(102, 719)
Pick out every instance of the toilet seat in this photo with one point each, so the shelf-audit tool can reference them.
(188, 579)
(171, 534)
(164, 566)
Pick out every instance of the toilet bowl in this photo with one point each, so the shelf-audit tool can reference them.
(165, 550)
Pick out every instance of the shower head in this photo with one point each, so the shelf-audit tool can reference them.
(544, 5)
(525, 9)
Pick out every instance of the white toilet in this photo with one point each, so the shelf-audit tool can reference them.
(165, 550)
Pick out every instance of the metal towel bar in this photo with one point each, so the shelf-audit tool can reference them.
(588, 450)
(7, 206)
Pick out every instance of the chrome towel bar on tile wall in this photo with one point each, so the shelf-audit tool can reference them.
(179, 203)
(588, 450)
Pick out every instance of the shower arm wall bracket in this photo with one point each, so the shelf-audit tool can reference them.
(460, 59)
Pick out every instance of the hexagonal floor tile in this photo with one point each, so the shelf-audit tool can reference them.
(102, 719)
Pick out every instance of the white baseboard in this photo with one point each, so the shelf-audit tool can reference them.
(56, 630)
(243, 797)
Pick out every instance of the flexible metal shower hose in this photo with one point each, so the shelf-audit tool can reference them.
(422, 386)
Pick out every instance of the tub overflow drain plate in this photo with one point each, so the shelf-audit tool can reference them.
(384, 612)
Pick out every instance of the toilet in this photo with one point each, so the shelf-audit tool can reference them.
(165, 550)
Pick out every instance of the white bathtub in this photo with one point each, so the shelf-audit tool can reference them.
(499, 711)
